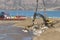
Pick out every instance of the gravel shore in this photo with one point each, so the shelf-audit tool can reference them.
(50, 34)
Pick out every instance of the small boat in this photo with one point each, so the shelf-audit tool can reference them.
(13, 18)
(16, 18)
(4, 16)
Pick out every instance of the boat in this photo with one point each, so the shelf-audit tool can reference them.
(4, 16)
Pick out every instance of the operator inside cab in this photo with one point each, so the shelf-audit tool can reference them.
(49, 21)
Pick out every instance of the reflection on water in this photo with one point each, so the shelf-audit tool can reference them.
(13, 33)
(27, 38)
(3, 36)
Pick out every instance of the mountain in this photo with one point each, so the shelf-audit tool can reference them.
(29, 4)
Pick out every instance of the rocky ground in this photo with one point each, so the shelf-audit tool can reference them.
(12, 30)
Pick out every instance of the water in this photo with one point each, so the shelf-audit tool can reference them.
(30, 13)
(9, 32)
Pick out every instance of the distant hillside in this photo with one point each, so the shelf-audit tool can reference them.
(28, 4)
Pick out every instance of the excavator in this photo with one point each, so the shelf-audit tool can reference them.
(45, 19)
(47, 22)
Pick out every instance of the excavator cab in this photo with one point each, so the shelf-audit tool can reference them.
(49, 21)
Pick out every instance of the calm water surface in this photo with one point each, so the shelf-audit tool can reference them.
(9, 32)
(30, 13)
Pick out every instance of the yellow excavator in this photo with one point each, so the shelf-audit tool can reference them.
(47, 22)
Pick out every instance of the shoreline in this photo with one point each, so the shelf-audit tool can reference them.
(26, 22)
(50, 33)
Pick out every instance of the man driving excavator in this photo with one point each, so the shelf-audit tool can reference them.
(49, 22)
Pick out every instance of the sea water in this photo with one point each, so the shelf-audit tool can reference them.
(30, 13)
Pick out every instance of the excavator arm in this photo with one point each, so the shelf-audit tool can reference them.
(46, 21)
